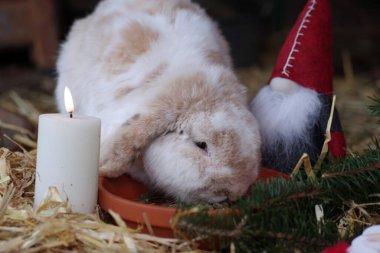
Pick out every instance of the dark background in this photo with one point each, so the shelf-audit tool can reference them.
(31, 31)
(255, 29)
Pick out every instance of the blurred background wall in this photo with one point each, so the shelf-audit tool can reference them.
(31, 31)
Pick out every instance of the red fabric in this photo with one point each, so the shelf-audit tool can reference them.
(306, 55)
(341, 247)
(337, 145)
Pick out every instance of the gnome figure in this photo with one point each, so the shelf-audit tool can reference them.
(294, 108)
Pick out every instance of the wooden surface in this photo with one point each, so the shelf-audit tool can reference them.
(30, 23)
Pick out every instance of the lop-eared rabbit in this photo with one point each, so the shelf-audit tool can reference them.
(174, 115)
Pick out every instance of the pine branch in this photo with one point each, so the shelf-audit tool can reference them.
(375, 109)
(280, 216)
(345, 173)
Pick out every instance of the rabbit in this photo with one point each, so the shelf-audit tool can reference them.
(174, 115)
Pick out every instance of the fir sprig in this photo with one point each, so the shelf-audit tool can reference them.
(280, 216)
(375, 108)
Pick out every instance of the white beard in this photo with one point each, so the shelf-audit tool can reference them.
(288, 117)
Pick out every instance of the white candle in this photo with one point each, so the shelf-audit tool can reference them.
(68, 158)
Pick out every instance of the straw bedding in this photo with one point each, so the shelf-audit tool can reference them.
(54, 228)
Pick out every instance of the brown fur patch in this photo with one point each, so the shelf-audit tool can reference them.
(122, 92)
(151, 7)
(136, 40)
(229, 139)
(186, 6)
(228, 155)
(215, 57)
(233, 161)
(197, 160)
(102, 24)
(155, 73)
(232, 90)
(183, 93)
(193, 92)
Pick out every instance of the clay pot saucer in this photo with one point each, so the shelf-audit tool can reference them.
(121, 195)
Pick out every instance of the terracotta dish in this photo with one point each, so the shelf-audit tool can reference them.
(121, 195)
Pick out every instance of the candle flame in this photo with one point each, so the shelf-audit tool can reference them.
(69, 104)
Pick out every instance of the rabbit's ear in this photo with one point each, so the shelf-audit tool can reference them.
(131, 139)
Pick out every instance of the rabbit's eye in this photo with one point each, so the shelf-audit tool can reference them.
(201, 145)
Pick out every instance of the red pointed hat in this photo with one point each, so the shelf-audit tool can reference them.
(306, 55)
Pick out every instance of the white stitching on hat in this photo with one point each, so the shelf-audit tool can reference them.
(299, 33)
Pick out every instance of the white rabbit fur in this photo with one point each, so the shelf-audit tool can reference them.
(158, 74)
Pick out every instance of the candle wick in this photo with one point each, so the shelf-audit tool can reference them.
(71, 114)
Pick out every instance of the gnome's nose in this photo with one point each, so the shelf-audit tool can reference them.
(284, 85)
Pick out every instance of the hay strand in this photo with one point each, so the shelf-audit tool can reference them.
(17, 129)
(325, 147)
(305, 160)
(25, 108)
